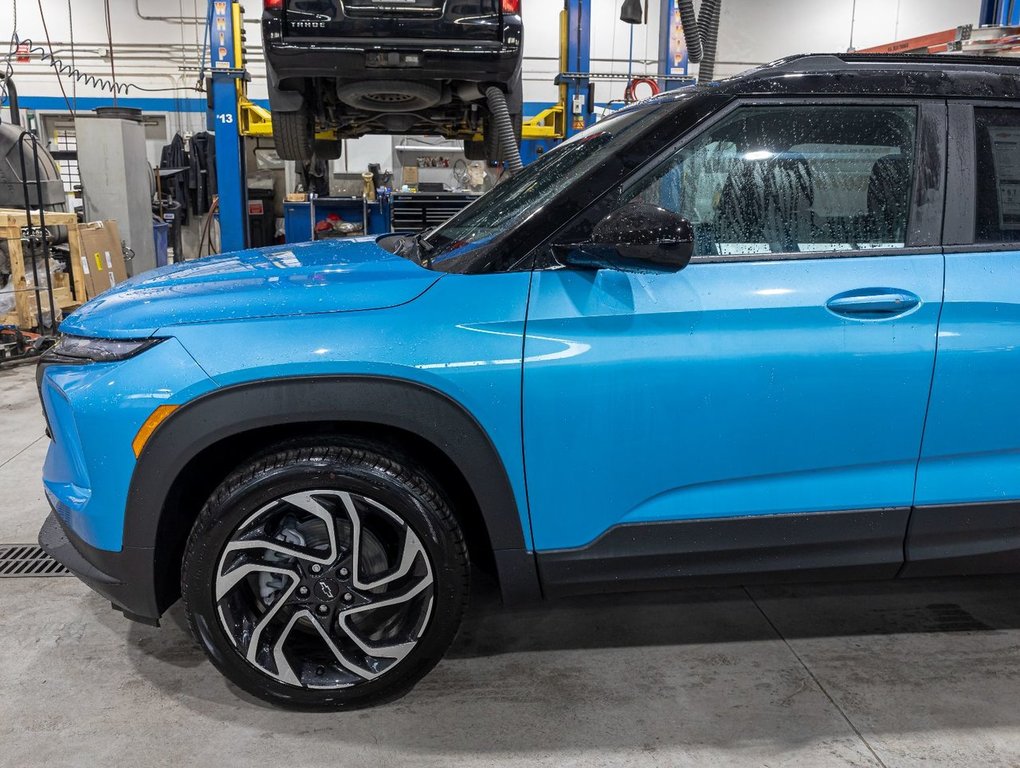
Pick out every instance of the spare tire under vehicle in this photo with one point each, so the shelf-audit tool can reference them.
(389, 95)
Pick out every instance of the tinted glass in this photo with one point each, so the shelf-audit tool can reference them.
(998, 175)
(791, 179)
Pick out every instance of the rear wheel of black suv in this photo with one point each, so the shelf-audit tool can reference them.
(325, 577)
(294, 135)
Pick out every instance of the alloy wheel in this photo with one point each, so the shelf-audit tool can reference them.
(324, 589)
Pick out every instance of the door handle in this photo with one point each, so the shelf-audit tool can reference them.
(873, 303)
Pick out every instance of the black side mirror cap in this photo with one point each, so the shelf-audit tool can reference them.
(637, 237)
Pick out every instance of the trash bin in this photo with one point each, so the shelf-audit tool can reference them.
(161, 236)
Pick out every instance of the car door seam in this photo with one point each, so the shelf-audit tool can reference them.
(935, 358)
(524, 454)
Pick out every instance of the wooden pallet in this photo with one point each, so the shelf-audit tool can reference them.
(25, 312)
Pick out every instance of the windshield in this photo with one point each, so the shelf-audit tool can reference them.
(515, 200)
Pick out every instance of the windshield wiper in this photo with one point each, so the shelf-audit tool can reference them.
(416, 248)
(424, 250)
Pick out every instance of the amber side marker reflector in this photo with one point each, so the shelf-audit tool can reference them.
(151, 424)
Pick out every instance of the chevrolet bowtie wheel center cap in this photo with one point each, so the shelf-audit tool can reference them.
(327, 589)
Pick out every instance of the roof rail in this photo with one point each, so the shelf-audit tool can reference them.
(807, 62)
(836, 62)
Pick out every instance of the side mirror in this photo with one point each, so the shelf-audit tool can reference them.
(639, 237)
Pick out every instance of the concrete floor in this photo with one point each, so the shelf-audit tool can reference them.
(912, 674)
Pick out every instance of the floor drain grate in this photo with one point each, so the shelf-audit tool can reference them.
(22, 560)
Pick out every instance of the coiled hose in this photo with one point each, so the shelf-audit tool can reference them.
(504, 128)
(21, 46)
(25, 46)
(708, 20)
(692, 31)
(630, 94)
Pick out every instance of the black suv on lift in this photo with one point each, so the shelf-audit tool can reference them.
(389, 67)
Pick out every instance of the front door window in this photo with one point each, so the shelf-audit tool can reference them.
(792, 179)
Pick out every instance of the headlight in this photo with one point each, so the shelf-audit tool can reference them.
(99, 350)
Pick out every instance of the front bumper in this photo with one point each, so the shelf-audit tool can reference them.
(124, 578)
(93, 413)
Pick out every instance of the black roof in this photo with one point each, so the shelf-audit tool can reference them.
(864, 74)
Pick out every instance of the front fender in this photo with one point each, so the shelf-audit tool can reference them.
(412, 407)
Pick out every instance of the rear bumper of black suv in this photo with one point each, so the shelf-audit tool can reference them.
(355, 60)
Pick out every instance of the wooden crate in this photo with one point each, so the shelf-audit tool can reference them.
(25, 311)
(18, 218)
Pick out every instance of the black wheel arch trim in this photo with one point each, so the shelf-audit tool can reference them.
(389, 402)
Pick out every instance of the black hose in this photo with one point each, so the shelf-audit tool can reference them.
(692, 31)
(12, 100)
(504, 128)
(708, 20)
(23, 140)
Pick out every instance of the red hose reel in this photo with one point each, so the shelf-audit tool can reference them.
(630, 95)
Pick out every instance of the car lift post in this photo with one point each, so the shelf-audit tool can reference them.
(227, 66)
(569, 115)
(575, 56)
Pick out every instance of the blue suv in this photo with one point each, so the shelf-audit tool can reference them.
(765, 329)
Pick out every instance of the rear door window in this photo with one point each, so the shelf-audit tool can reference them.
(997, 132)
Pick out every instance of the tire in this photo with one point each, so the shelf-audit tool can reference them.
(294, 135)
(412, 565)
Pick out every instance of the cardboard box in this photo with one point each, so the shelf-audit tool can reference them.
(101, 257)
(410, 176)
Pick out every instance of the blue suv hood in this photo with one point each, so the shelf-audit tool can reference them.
(331, 276)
